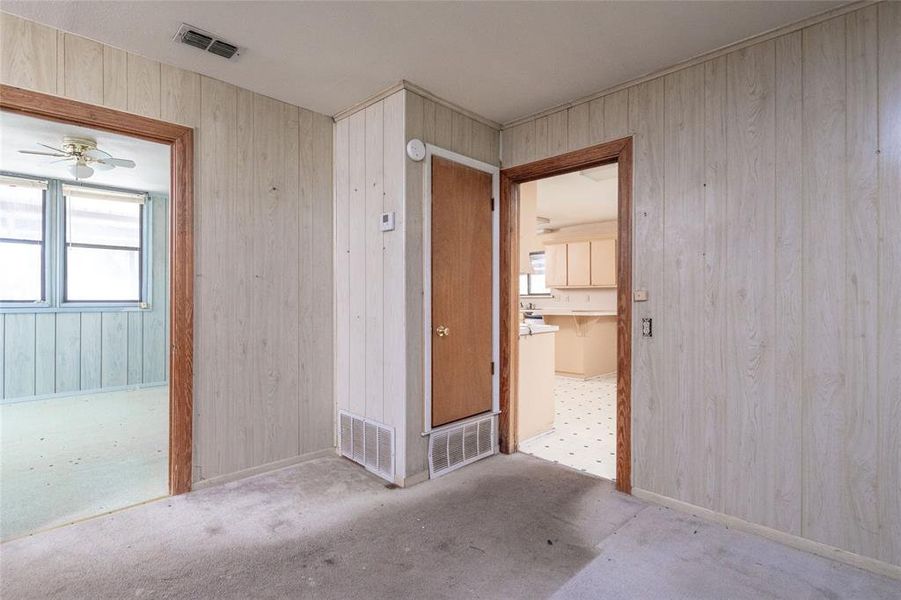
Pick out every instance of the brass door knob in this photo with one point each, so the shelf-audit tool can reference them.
(442, 331)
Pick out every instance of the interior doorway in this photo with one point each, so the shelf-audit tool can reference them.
(580, 285)
(106, 256)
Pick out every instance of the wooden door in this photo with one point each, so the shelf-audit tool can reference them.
(555, 265)
(578, 263)
(461, 291)
(603, 263)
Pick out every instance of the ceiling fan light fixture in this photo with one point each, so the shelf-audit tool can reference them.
(80, 170)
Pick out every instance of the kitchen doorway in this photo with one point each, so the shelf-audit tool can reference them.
(571, 282)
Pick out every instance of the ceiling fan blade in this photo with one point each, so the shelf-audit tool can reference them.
(97, 154)
(119, 162)
(53, 162)
(41, 153)
(52, 148)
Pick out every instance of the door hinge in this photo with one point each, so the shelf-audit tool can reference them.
(492, 203)
(492, 367)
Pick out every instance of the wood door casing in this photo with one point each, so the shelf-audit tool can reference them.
(461, 291)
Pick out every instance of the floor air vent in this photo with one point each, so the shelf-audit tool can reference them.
(366, 442)
(457, 445)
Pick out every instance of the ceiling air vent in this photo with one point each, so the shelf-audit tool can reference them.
(204, 40)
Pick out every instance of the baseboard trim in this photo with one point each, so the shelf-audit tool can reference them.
(259, 470)
(850, 558)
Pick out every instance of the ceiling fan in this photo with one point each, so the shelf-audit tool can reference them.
(86, 155)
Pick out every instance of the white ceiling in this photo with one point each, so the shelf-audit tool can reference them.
(502, 60)
(574, 199)
(18, 132)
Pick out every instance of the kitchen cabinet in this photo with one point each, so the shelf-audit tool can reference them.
(584, 264)
(578, 263)
(603, 263)
(555, 265)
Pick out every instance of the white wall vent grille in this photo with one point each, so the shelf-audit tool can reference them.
(459, 444)
(367, 442)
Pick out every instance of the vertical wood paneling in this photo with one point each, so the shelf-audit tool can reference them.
(115, 78)
(789, 280)
(444, 127)
(578, 118)
(394, 379)
(29, 54)
(646, 118)
(357, 260)
(752, 460)
(373, 262)
(557, 133)
(275, 296)
(306, 330)
(317, 420)
(240, 423)
(596, 120)
(218, 444)
(18, 377)
(68, 352)
(180, 96)
(342, 264)
(135, 358)
(91, 351)
(861, 199)
(462, 134)
(889, 276)
(709, 491)
(114, 349)
(616, 115)
(683, 276)
(143, 86)
(44, 354)
(83, 69)
(415, 459)
(826, 493)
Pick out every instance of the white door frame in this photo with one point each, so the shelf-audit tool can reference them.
(494, 171)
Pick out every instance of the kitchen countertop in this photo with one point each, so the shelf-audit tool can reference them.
(536, 328)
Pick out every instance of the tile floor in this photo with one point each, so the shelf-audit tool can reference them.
(66, 458)
(584, 434)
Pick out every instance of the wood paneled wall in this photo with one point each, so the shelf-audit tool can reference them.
(44, 353)
(378, 276)
(768, 234)
(263, 241)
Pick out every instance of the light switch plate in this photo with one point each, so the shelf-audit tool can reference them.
(640, 295)
(387, 221)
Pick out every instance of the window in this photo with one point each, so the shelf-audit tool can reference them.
(73, 247)
(22, 223)
(103, 245)
(532, 284)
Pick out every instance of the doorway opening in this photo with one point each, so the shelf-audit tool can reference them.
(95, 310)
(566, 310)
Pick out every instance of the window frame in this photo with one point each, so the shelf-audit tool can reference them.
(54, 255)
(144, 251)
(46, 227)
(529, 293)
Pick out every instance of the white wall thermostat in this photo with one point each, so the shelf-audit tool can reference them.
(416, 149)
(387, 222)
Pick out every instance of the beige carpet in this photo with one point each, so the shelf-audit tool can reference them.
(65, 459)
(506, 527)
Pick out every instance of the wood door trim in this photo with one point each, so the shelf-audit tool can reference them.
(620, 152)
(181, 245)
